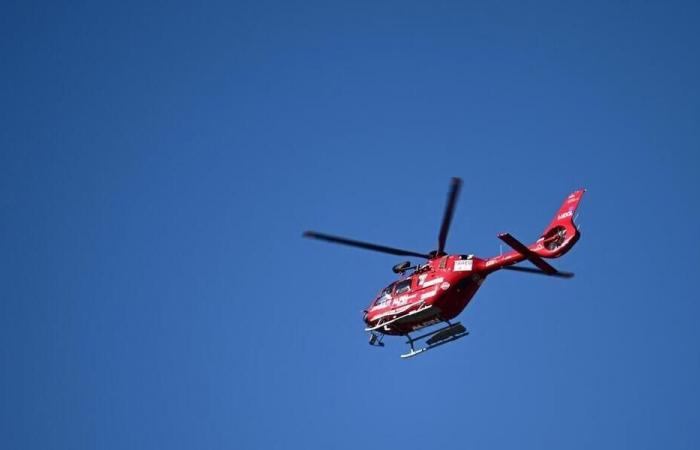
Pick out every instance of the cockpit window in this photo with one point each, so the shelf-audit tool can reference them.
(403, 286)
(384, 296)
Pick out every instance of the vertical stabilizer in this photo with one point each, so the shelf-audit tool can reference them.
(561, 233)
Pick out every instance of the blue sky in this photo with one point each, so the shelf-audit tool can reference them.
(159, 162)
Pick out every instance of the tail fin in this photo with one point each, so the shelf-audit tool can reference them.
(561, 234)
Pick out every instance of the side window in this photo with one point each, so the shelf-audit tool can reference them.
(403, 286)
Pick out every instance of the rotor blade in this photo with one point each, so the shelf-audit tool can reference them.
(539, 272)
(365, 245)
(455, 186)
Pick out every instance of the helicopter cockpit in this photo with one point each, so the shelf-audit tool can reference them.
(396, 288)
(384, 296)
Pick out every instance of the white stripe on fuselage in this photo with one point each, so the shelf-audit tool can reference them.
(432, 282)
(428, 294)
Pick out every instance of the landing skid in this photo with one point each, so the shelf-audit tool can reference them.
(436, 338)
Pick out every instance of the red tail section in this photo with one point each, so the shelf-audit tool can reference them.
(561, 234)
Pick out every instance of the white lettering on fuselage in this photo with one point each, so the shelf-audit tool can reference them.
(565, 215)
(403, 300)
(418, 326)
(464, 265)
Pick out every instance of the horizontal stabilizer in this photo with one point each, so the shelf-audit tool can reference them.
(527, 253)
(539, 272)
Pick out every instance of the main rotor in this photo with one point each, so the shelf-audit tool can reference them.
(455, 187)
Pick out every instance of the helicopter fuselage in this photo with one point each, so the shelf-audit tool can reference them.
(436, 291)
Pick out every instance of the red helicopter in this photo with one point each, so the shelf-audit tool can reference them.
(439, 289)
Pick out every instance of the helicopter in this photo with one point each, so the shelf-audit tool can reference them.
(437, 290)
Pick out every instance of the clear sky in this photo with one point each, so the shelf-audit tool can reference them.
(159, 162)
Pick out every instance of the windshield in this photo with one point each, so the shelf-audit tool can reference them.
(384, 295)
